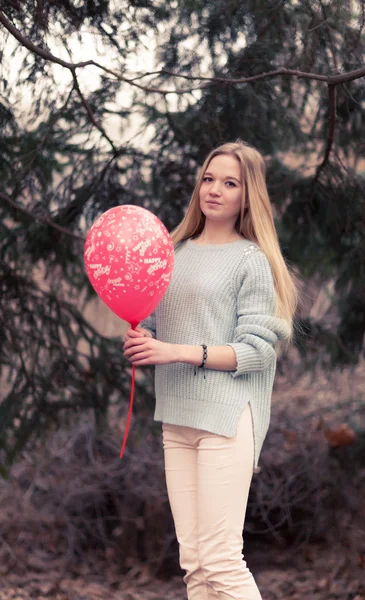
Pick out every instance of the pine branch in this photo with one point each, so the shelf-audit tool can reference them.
(52, 121)
(326, 19)
(331, 81)
(90, 112)
(46, 55)
(37, 291)
(44, 220)
(264, 28)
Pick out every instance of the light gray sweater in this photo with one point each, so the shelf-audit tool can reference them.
(219, 294)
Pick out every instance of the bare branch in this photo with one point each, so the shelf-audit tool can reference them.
(44, 220)
(45, 54)
(332, 111)
(90, 112)
(331, 132)
(331, 81)
(345, 77)
(36, 49)
(281, 71)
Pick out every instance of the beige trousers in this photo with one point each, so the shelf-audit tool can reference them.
(208, 478)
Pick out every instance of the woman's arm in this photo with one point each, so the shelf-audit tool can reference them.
(222, 358)
(141, 350)
(258, 329)
(253, 345)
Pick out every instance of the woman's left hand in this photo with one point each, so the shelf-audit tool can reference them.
(148, 351)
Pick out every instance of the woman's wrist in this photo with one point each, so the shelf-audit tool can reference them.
(221, 358)
(191, 355)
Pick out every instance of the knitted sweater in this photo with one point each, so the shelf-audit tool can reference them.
(219, 294)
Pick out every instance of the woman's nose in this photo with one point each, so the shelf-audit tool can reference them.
(215, 188)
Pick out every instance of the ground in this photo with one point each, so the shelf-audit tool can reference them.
(307, 572)
(317, 573)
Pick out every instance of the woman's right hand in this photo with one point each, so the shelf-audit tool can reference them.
(139, 332)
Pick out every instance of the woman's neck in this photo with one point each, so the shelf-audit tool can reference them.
(215, 235)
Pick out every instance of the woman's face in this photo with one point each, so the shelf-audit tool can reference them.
(220, 193)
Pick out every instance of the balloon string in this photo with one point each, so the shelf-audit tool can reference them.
(130, 409)
(129, 413)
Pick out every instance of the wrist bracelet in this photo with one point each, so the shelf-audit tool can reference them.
(205, 355)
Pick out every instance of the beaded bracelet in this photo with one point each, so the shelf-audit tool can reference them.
(205, 355)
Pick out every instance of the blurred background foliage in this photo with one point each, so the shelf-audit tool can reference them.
(76, 141)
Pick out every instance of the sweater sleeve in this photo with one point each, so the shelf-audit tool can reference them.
(150, 324)
(257, 329)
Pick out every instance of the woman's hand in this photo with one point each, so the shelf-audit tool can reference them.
(133, 333)
(144, 350)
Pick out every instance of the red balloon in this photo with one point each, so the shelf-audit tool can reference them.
(129, 258)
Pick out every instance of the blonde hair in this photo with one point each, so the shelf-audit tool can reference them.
(255, 223)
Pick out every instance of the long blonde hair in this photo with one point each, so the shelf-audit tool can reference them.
(255, 223)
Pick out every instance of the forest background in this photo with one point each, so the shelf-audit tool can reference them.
(106, 103)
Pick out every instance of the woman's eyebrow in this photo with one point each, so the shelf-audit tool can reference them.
(227, 176)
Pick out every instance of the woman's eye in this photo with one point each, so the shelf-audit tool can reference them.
(209, 179)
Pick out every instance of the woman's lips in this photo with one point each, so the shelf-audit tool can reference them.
(213, 203)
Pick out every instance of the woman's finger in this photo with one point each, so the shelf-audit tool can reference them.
(138, 356)
(133, 345)
(131, 334)
(142, 362)
(135, 333)
(134, 342)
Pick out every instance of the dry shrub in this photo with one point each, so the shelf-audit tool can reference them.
(79, 503)
(312, 480)
(76, 505)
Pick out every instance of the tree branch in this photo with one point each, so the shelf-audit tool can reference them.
(52, 121)
(36, 49)
(332, 111)
(345, 77)
(90, 112)
(46, 55)
(44, 220)
(331, 81)
(334, 57)
(264, 28)
(331, 132)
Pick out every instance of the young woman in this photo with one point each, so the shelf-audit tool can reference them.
(213, 340)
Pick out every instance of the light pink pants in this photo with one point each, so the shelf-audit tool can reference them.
(208, 478)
